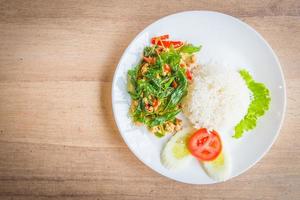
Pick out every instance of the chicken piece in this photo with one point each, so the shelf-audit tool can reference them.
(155, 129)
(193, 59)
(133, 106)
(150, 109)
(144, 68)
(138, 123)
(145, 100)
(188, 60)
(178, 124)
(135, 102)
(170, 127)
(159, 50)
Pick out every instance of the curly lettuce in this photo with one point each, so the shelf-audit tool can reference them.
(259, 104)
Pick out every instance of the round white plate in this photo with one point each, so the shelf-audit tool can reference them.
(224, 39)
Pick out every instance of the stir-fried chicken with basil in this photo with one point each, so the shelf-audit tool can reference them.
(158, 84)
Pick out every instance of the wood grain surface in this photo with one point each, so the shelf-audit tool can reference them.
(58, 139)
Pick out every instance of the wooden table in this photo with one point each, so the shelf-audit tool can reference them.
(58, 138)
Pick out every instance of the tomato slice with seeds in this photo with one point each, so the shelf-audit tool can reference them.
(205, 145)
(162, 41)
(154, 40)
(168, 44)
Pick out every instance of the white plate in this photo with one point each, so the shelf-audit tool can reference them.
(224, 39)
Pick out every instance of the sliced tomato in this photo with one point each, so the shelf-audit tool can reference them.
(205, 145)
(155, 103)
(176, 44)
(168, 44)
(155, 40)
(162, 41)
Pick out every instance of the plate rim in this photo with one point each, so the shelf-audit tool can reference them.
(252, 30)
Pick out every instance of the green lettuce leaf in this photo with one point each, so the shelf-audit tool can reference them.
(189, 48)
(259, 104)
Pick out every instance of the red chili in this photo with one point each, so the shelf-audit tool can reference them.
(155, 103)
(174, 84)
(167, 68)
(189, 75)
(149, 60)
(182, 65)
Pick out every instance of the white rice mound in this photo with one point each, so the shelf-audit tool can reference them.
(217, 99)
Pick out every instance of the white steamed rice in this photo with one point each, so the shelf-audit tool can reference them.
(217, 99)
